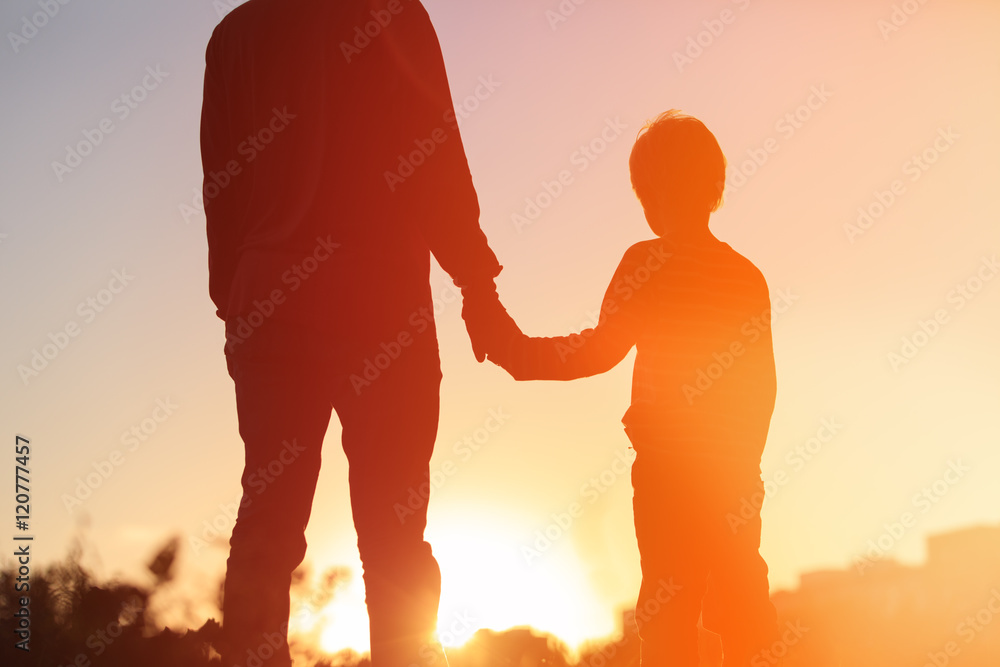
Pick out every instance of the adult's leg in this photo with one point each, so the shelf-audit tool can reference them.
(284, 409)
(670, 534)
(389, 427)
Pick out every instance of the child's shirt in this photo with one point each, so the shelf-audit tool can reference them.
(699, 316)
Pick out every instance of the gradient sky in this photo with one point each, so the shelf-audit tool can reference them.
(887, 96)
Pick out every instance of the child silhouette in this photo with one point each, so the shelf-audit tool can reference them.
(703, 391)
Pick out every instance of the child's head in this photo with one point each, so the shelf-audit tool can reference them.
(678, 171)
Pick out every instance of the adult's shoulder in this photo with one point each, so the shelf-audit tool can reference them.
(266, 15)
(238, 21)
(239, 17)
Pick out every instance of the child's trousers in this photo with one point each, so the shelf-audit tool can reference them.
(697, 523)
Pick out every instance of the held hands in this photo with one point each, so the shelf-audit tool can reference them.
(490, 328)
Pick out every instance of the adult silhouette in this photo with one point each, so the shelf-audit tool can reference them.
(333, 169)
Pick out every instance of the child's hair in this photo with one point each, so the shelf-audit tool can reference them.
(677, 157)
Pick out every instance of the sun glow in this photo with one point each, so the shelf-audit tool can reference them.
(344, 621)
(487, 582)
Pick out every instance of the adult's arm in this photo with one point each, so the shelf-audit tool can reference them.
(440, 187)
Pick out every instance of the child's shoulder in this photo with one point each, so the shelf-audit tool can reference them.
(659, 249)
(739, 268)
(651, 251)
(716, 256)
(740, 260)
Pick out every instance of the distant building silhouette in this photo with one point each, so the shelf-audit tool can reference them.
(944, 613)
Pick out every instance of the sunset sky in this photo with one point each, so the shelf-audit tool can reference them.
(881, 335)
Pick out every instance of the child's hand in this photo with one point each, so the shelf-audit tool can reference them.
(503, 336)
(475, 305)
(490, 328)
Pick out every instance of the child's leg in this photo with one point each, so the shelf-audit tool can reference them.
(738, 605)
(669, 529)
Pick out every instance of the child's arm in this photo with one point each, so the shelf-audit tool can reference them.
(592, 351)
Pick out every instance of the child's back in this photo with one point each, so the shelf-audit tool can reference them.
(698, 314)
(704, 369)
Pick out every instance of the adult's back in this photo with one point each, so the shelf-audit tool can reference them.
(338, 117)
